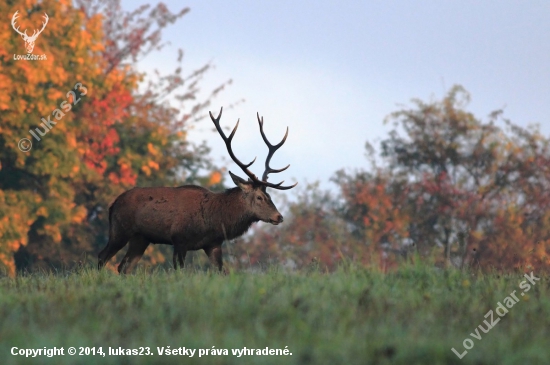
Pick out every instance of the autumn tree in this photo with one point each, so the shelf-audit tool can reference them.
(476, 190)
(446, 185)
(53, 198)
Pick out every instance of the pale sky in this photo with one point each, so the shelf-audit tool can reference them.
(333, 70)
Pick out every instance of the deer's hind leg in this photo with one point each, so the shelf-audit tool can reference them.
(137, 247)
(116, 242)
(179, 256)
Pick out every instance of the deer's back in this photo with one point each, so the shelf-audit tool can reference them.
(156, 212)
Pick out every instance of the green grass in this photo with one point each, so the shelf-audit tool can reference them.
(352, 316)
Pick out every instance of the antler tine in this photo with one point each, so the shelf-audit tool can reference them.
(228, 140)
(13, 19)
(36, 31)
(44, 23)
(272, 150)
(278, 186)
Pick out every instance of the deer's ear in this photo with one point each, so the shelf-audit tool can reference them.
(241, 183)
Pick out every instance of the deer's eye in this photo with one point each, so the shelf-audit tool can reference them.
(259, 198)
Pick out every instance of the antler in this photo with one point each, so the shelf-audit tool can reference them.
(43, 26)
(243, 166)
(13, 19)
(272, 149)
(227, 141)
(24, 34)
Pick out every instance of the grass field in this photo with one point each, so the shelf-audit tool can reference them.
(352, 316)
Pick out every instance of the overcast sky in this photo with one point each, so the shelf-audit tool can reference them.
(332, 70)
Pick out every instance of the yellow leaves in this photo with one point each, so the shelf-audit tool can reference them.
(79, 214)
(14, 245)
(8, 263)
(215, 178)
(42, 211)
(5, 87)
(152, 149)
(540, 251)
(54, 94)
(153, 165)
(71, 140)
(115, 77)
(476, 235)
(146, 170)
(155, 255)
(65, 4)
(124, 164)
(97, 47)
(52, 231)
(113, 178)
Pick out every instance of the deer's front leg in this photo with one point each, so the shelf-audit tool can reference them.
(214, 253)
(179, 257)
(179, 252)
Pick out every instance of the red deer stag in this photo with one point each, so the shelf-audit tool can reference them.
(191, 217)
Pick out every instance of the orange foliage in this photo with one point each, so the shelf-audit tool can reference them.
(53, 198)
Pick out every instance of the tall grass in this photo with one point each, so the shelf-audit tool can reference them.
(352, 316)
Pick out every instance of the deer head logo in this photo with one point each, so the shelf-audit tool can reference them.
(29, 40)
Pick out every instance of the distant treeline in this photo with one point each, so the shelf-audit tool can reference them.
(463, 191)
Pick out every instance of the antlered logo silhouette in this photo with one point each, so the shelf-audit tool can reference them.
(29, 40)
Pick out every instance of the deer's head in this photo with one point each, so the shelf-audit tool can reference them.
(258, 200)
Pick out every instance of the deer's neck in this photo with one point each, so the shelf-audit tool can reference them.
(233, 215)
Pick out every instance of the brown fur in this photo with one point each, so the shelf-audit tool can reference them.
(188, 217)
